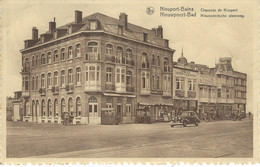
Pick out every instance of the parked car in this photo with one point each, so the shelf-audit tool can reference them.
(185, 118)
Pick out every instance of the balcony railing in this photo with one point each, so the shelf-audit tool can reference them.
(130, 89)
(179, 93)
(110, 58)
(70, 88)
(26, 69)
(92, 56)
(55, 90)
(42, 91)
(110, 87)
(192, 94)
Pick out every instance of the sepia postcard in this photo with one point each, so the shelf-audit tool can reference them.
(129, 81)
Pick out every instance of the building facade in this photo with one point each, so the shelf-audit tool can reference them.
(185, 86)
(93, 65)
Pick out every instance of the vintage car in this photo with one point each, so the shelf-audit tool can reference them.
(185, 118)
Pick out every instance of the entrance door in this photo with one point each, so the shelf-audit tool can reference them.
(119, 112)
(93, 111)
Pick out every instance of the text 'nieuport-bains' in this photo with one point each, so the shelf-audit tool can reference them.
(96, 65)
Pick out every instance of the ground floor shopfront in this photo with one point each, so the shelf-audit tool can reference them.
(180, 105)
(85, 108)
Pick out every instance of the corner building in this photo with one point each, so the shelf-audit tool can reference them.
(93, 65)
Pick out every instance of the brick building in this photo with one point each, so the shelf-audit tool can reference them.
(95, 64)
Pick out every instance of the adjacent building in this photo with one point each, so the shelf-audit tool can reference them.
(93, 66)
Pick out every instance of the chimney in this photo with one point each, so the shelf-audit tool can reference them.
(160, 31)
(154, 30)
(52, 26)
(78, 16)
(123, 20)
(145, 35)
(34, 33)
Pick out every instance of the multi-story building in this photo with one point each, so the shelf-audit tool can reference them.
(185, 86)
(93, 65)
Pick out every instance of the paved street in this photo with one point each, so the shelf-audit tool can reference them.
(209, 139)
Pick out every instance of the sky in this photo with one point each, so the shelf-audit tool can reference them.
(204, 40)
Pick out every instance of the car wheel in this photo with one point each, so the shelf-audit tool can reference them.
(196, 124)
(172, 126)
(184, 124)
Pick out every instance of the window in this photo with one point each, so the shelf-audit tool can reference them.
(219, 93)
(109, 51)
(49, 80)
(70, 106)
(78, 76)
(92, 73)
(166, 65)
(26, 82)
(153, 59)
(37, 84)
(56, 78)
(43, 81)
(120, 30)
(93, 25)
(36, 60)
(109, 102)
(145, 80)
(92, 51)
(145, 63)
(62, 54)
(43, 59)
(70, 76)
(129, 56)
(120, 75)
(33, 61)
(26, 63)
(63, 105)
(78, 50)
(43, 108)
(93, 47)
(78, 107)
(55, 111)
(191, 84)
(228, 93)
(153, 82)
(129, 78)
(119, 55)
(49, 58)
(62, 78)
(56, 56)
(158, 60)
(128, 109)
(49, 108)
(70, 54)
(167, 83)
(109, 75)
(32, 83)
(179, 83)
(158, 82)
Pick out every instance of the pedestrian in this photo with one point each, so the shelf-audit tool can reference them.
(249, 114)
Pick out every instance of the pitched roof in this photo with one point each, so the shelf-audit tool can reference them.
(110, 24)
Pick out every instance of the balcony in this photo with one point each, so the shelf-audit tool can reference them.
(110, 58)
(25, 70)
(70, 88)
(192, 94)
(25, 93)
(93, 87)
(167, 93)
(179, 93)
(145, 92)
(166, 68)
(130, 89)
(92, 57)
(110, 87)
(55, 90)
(42, 91)
(130, 62)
